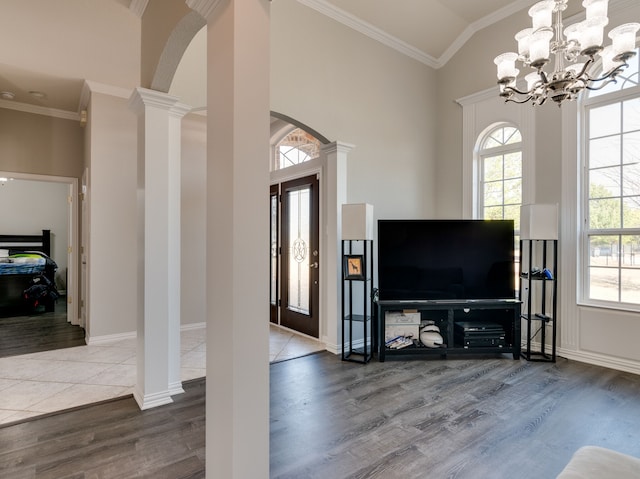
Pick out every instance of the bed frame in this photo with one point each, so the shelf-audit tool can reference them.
(12, 286)
(28, 242)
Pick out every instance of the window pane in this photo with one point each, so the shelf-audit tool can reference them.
(631, 180)
(513, 191)
(604, 152)
(603, 284)
(493, 213)
(631, 115)
(604, 213)
(493, 168)
(493, 193)
(274, 250)
(630, 286)
(603, 248)
(300, 237)
(630, 254)
(604, 182)
(512, 212)
(512, 135)
(513, 165)
(631, 147)
(604, 120)
(631, 212)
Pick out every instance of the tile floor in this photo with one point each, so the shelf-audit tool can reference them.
(38, 383)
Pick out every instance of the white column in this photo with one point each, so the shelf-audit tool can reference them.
(336, 195)
(237, 406)
(158, 324)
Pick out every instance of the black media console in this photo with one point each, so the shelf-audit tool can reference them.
(449, 316)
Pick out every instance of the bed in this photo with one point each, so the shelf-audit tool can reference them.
(26, 267)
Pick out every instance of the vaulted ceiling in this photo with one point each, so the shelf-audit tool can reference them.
(430, 31)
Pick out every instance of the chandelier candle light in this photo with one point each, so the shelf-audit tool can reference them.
(547, 36)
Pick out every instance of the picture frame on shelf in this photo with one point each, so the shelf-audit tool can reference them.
(353, 266)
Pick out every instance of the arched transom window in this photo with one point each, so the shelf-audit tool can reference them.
(295, 148)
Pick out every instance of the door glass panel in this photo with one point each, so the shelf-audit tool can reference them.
(274, 250)
(299, 239)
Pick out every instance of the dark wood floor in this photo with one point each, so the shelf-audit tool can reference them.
(454, 418)
(24, 332)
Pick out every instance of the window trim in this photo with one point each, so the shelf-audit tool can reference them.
(481, 154)
(585, 104)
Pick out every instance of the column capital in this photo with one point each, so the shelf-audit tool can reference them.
(337, 147)
(142, 98)
(203, 7)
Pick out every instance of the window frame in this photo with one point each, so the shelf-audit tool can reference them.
(586, 104)
(501, 150)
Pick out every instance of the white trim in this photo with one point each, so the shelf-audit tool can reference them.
(39, 110)
(600, 360)
(73, 241)
(375, 33)
(370, 31)
(478, 25)
(149, 401)
(192, 326)
(110, 338)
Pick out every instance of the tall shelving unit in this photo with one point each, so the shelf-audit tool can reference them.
(538, 293)
(358, 331)
(539, 280)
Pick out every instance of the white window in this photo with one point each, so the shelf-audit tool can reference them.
(611, 192)
(295, 148)
(500, 174)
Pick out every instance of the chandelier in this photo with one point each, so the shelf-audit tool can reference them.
(578, 45)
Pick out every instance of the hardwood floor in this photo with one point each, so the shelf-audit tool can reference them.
(22, 333)
(462, 418)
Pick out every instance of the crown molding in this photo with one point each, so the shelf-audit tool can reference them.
(480, 24)
(39, 110)
(351, 21)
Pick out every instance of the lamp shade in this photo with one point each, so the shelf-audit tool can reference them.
(357, 221)
(539, 222)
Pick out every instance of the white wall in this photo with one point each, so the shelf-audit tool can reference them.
(595, 335)
(28, 207)
(352, 89)
(112, 229)
(193, 219)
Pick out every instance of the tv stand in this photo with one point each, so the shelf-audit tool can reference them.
(445, 314)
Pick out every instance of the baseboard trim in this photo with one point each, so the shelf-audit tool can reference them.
(148, 401)
(601, 360)
(191, 326)
(109, 338)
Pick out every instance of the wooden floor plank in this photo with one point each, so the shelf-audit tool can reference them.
(464, 418)
(32, 332)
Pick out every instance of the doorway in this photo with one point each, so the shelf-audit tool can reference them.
(295, 255)
(44, 202)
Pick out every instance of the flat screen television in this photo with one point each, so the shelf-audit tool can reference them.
(446, 259)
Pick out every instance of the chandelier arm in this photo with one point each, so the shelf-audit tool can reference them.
(525, 100)
(611, 80)
(515, 90)
(612, 74)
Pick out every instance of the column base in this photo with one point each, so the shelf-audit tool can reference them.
(148, 401)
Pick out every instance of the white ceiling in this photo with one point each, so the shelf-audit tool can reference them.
(430, 31)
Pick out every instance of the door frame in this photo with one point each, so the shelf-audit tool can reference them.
(296, 320)
(72, 241)
(308, 168)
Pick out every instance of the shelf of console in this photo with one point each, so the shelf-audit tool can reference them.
(504, 311)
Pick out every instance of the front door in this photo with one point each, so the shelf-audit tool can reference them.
(299, 271)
